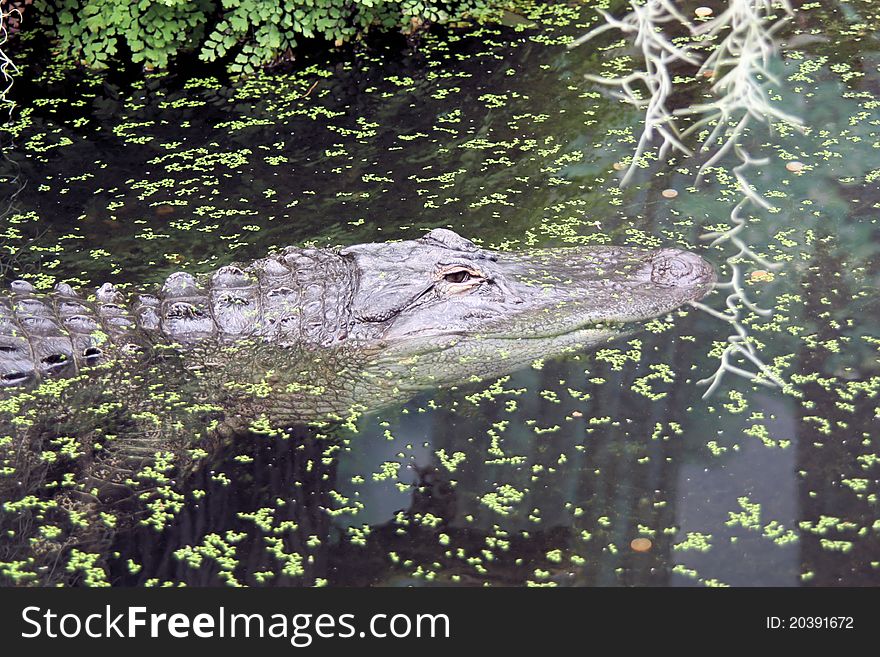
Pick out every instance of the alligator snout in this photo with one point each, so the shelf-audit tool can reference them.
(675, 268)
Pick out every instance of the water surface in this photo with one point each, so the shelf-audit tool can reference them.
(546, 476)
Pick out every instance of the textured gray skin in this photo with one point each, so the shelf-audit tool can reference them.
(381, 320)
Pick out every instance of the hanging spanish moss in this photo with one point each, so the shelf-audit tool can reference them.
(735, 51)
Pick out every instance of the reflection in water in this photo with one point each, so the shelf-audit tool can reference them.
(838, 495)
(705, 497)
(545, 477)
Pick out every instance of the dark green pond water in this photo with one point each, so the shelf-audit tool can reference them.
(548, 475)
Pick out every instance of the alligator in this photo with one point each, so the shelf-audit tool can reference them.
(437, 299)
(302, 336)
(319, 331)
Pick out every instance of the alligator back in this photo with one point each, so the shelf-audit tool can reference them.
(300, 296)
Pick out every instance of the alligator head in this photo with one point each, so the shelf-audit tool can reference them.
(440, 310)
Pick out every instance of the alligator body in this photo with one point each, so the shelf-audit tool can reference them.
(309, 333)
(439, 301)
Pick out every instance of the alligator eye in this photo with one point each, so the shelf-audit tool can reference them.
(457, 276)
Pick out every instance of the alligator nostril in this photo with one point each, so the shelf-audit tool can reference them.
(674, 268)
